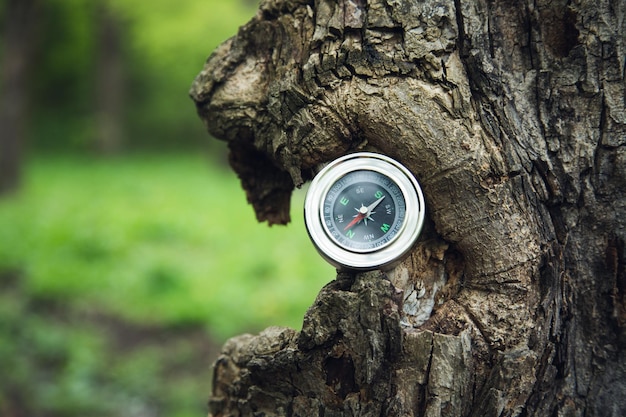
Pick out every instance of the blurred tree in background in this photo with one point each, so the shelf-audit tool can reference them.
(110, 90)
(18, 19)
(109, 75)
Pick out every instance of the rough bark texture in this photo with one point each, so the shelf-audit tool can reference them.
(512, 116)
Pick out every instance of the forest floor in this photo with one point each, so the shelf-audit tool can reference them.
(120, 278)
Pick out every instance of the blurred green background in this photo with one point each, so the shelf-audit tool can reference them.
(128, 253)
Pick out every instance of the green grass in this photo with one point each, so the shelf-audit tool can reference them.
(158, 239)
(120, 277)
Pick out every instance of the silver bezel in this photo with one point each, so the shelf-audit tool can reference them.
(394, 250)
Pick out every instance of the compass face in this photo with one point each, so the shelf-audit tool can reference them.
(364, 211)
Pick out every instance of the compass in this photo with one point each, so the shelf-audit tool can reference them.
(364, 211)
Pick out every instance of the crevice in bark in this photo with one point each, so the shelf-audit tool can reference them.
(462, 37)
(481, 329)
(616, 265)
(559, 29)
(340, 375)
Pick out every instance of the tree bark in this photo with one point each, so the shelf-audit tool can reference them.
(512, 116)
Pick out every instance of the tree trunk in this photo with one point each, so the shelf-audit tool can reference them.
(110, 85)
(512, 117)
(18, 21)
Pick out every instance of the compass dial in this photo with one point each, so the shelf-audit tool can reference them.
(364, 211)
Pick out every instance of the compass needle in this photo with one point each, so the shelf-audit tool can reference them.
(374, 204)
(357, 218)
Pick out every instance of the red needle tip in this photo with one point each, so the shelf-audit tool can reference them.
(357, 219)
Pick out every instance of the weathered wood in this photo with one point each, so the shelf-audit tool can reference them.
(513, 118)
